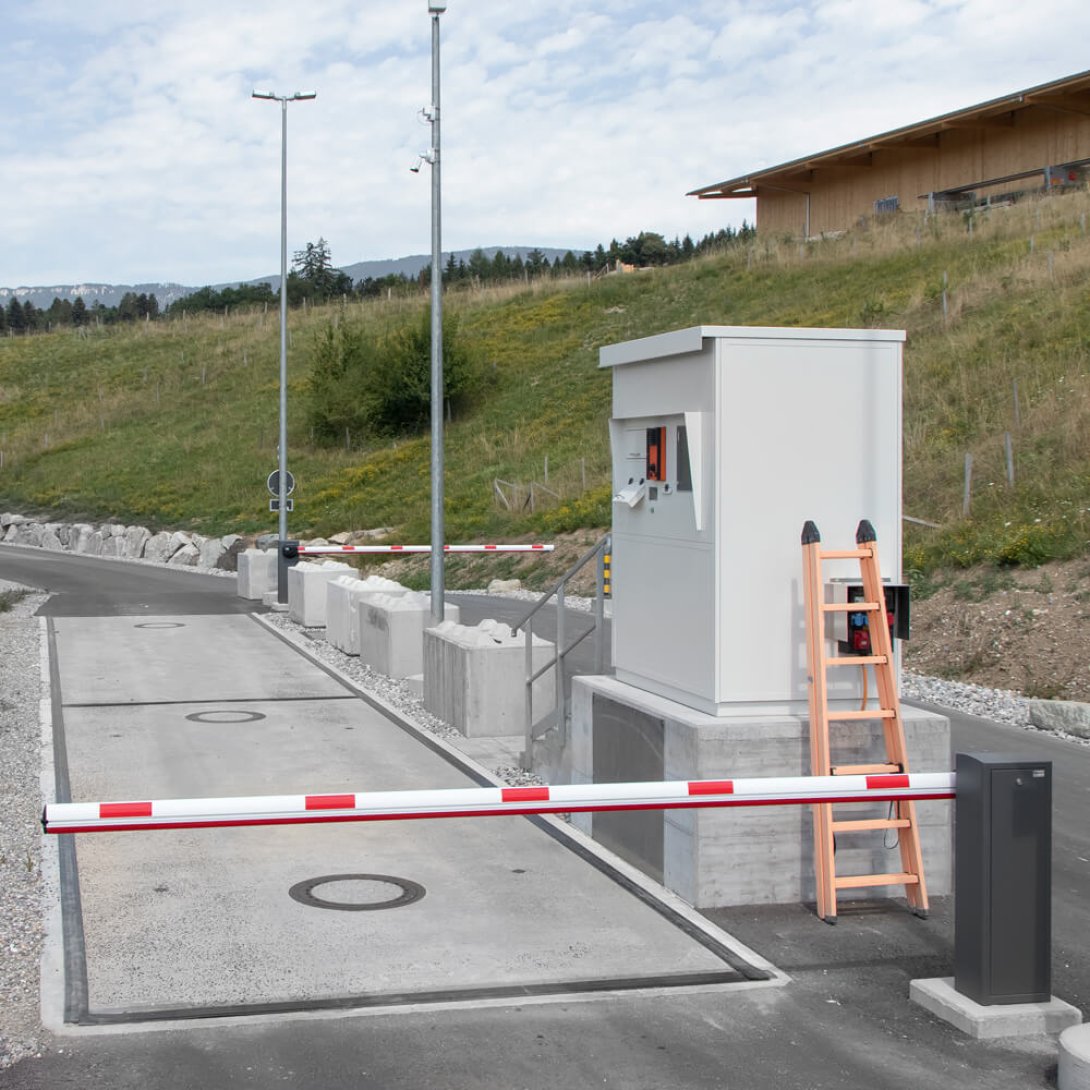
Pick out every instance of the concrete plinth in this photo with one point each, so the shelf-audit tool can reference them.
(306, 590)
(475, 678)
(256, 573)
(938, 996)
(740, 855)
(1074, 1072)
(343, 597)
(391, 632)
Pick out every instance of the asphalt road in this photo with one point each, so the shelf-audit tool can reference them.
(844, 1021)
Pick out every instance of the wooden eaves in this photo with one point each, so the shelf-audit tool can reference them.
(1069, 95)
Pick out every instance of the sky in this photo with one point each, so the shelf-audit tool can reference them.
(132, 152)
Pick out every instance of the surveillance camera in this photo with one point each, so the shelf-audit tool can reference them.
(415, 168)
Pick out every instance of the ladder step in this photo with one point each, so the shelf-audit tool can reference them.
(869, 825)
(845, 554)
(872, 713)
(858, 660)
(864, 770)
(850, 607)
(858, 881)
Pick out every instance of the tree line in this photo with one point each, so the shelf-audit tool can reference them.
(25, 317)
(313, 280)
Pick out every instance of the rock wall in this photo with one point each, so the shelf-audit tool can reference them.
(177, 549)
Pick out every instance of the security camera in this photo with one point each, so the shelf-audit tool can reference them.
(415, 168)
(437, 6)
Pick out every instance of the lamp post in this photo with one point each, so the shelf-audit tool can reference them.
(282, 447)
(436, 8)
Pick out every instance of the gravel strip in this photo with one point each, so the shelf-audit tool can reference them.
(21, 926)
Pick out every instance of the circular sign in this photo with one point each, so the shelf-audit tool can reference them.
(273, 483)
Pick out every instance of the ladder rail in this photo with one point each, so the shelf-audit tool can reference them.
(888, 713)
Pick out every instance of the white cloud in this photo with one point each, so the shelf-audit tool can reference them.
(132, 150)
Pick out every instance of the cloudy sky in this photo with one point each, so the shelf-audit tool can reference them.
(131, 150)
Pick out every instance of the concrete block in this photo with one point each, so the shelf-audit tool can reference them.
(744, 855)
(256, 573)
(391, 631)
(1074, 1072)
(1069, 716)
(306, 590)
(475, 678)
(938, 996)
(343, 598)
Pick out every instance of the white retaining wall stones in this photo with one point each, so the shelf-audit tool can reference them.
(475, 678)
(307, 590)
(391, 632)
(343, 598)
(124, 542)
(256, 573)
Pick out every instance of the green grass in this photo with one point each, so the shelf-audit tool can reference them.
(175, 423)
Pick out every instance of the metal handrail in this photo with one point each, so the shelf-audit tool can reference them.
(557, 661)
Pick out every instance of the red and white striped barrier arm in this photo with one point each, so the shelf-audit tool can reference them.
(319, 550)
(92, 817)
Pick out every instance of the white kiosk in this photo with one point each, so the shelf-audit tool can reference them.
(725, 441)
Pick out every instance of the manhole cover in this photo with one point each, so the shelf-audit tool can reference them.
(370, 892)
(225, 715)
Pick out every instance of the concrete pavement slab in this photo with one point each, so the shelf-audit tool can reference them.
(194, 922)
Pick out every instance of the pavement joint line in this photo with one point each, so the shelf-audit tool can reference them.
(226, 700)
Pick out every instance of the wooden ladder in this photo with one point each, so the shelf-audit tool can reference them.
(902, 819)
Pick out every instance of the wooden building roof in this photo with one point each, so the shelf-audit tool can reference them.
(1070, 95)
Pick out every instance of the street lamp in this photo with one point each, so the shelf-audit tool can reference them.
(282, 449)
(435, 9)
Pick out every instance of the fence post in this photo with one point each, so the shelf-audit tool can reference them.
(967, 498)
(1009, 445)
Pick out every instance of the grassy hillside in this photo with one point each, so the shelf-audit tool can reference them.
(175, 423)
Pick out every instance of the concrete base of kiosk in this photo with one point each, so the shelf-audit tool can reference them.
(738, 855)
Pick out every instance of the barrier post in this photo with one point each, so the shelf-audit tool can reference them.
(1003, 879)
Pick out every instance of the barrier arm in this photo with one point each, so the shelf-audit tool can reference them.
(210, 813)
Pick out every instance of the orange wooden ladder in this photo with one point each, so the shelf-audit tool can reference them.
(902, 817)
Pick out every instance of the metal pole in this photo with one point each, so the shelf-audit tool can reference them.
(282, 445)
(437, 529)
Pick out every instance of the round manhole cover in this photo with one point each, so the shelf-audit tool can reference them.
(358, 892)
(225, 715)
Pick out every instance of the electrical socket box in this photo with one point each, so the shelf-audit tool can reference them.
(725, 440)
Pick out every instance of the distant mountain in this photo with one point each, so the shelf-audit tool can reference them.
(109, 295)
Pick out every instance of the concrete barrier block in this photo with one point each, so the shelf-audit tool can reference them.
(343, 598)
(307, 588)
(391, 632)
(475, 678)
(256, 573)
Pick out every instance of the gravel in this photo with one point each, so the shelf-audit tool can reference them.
(21, 928)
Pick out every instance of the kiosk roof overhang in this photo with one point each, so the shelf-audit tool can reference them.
(1070, 95)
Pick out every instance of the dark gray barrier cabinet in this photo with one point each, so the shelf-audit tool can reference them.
(1003, 879)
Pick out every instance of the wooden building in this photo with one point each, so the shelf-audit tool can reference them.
(1031, 140)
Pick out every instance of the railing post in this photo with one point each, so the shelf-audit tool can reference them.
(561, 718)
(600, 612)
(528, 752)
